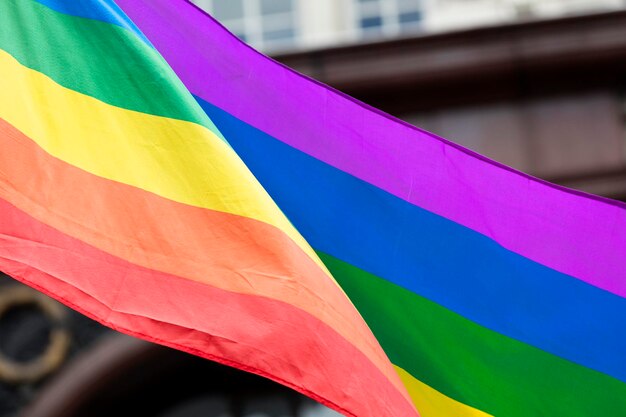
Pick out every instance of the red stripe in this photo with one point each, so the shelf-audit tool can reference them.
(256, 334)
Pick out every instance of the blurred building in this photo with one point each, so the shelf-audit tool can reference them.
(536, 84)
(280, 25)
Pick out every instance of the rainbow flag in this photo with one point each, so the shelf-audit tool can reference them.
(167, 180)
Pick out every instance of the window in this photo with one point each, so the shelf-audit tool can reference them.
(373, 22)
(265, 24)
(388, 17)
(228, 10)
(276, 6)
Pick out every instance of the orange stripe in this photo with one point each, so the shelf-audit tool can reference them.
(259, 335)
(227, 251)
(175, 159)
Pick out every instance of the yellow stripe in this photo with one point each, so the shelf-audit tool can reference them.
(175, 159)
(431, 403)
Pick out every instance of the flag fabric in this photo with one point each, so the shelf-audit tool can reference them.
(148, 157)
(120, 198)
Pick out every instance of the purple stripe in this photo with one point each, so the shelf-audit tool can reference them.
(569, 231)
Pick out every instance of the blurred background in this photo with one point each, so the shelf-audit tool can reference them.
(538, 85)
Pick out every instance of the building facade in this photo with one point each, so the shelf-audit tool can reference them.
(289, 25)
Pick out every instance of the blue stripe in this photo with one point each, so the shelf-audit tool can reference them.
(103, 10)
(434, 257)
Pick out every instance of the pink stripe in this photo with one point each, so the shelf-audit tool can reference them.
(576, 234)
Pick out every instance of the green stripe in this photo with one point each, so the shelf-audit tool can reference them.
(95, 58)
(474, 365)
